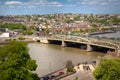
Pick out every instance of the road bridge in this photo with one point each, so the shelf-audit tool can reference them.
(89, 41)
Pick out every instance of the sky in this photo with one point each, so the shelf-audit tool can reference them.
(29, 7)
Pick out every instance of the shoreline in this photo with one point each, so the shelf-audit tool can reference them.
(28, 41)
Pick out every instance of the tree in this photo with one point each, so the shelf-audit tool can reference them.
(108, 69)
(46, 31)
(20, 38)
(76, 78)
(15, 62)
(28, 32)
(13, 26)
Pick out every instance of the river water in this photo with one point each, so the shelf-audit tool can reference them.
(51, 57)
(110, 35)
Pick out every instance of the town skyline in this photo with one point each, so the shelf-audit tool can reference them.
(29, 7)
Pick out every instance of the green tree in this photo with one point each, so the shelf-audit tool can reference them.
(13, 26)
(28, 32)
(94, 25)
(15, 62)
(20, 38)
(47, 30)
(108, 69)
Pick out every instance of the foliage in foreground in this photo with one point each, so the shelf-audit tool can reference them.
(15, 62)
(108, 69)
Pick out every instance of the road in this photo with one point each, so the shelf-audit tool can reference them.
(81, 74)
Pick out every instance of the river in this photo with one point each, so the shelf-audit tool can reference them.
(51, 57)
(110, 35)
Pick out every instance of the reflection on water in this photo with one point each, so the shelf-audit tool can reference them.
(52, 57)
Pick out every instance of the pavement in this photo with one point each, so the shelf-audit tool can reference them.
(81, 74)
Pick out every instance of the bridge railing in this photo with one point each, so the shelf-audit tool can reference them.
(105, 44)
(76, 39)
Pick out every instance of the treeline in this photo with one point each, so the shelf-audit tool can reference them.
(12, 26)
(19, 27)
(104, 21)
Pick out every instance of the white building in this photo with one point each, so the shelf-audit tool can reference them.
(4, 35)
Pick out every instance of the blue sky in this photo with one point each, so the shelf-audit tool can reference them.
(23, 7)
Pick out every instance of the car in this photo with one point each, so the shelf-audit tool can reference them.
(45, 78)
(61, 73)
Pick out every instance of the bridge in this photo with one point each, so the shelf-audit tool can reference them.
(88, 41)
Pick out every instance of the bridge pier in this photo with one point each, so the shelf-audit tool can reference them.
(118, 52)
(63, 43)
(89, 47)
(44, 41)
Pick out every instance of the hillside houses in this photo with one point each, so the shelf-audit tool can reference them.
(58, 23)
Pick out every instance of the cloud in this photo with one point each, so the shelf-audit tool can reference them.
(13, 3)
(42, 3)
(98, 2)
(113, 0)
(32, 4)
(36, 2)
(69, 0)
(104, 3)
(56, 4)
(87, 2)
(93, 2)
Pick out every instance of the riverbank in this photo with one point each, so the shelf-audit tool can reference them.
(27, 41)
(80, 72)
(84, 72)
